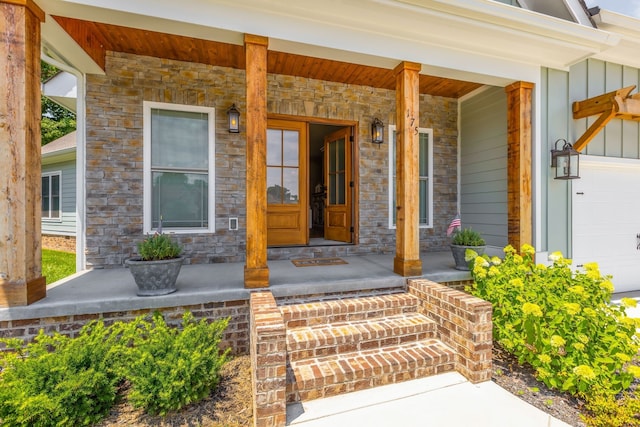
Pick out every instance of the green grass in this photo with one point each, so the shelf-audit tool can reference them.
(57, 265)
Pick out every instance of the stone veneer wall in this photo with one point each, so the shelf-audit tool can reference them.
(114, 155)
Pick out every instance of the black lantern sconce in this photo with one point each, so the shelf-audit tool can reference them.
(377, 131)
(234, 119)
(566, 161)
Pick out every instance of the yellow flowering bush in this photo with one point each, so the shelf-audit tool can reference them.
(560, 321)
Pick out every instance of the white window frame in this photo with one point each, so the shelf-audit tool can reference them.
(392, 158)
(147, 190)
(48, 175)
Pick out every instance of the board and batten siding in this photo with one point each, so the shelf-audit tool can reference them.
(67, 225)
(620, 138)
(483, 165)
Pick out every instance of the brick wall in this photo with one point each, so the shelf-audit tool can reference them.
(59, 243)
(464, 323)
(268, 361)
(114, 155)
(236, 335)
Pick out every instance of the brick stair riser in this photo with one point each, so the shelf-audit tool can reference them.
(328, 341)
(358, 371)
(321, 313)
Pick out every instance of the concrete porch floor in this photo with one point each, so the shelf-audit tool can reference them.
(113, 290)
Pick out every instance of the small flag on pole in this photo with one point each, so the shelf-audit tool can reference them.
(455, 223)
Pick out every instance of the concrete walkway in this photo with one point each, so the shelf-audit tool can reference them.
(446, 400)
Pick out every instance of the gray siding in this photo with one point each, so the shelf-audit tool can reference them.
(618, 139)
(483, 170)
(67, 226)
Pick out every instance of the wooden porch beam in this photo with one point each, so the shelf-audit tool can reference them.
(519, 121)
(593, 130)
(21, 281)
(618, 104)
(407, 260)
(256, 270)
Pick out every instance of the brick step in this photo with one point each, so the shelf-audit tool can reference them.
(343, 337)
(332, 375)
(348, 310)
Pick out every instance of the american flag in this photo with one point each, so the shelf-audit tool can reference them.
(455, 223)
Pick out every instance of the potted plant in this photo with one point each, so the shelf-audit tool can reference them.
(466, 239)
(157, 266)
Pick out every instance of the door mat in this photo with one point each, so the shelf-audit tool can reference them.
(317, 262)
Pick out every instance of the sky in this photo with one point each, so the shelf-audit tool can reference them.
(626, 7)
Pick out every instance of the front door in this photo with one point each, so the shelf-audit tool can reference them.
(337, 152)
(287, 206)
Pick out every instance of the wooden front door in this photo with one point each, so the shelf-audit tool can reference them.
(337, 152)
(287, 205)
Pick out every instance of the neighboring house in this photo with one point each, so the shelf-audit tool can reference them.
(59, 218)
(59, 193)
(474, 93)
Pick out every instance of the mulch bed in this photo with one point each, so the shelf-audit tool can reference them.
(230, 405)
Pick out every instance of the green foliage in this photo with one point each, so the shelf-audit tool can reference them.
(467, 237)
(57, 380)
(53, 129)
(607, 411)
(170, 368)
(559, 321)
(57, 121)
(158, 246)
(57, 265)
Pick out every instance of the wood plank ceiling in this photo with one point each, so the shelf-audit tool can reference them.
(98, 38)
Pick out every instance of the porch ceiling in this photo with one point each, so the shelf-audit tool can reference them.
(97, 38)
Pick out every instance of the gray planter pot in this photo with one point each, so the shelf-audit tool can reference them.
(458, 255)
(155, 277)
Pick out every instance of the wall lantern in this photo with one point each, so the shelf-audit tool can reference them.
(234, 119)
(566, 161)
(377, 131)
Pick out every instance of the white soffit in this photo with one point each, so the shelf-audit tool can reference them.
(62, 88)
(449, 34)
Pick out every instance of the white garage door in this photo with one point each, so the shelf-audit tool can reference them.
(606, 219)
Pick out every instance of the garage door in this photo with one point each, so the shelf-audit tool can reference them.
(606, 219)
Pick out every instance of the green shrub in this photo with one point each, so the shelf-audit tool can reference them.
(607, 411)
(56, 380)
(157, 247)
(60, 381)
(467, 237)
(169, 368)
(559, 321)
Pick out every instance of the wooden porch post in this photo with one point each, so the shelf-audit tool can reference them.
(519, 163)
(407, 260)
(21, 280)
(256, 271)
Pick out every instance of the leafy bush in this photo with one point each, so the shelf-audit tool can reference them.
(57, 380)
(169, 368)
(559, 321)
(157, 247)
(467, 237)
(607, 411)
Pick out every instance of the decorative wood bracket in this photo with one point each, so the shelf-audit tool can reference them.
(613, 105)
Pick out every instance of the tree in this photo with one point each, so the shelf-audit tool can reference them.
(57, 121)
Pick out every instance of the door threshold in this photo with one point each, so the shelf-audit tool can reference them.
(314, 242)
